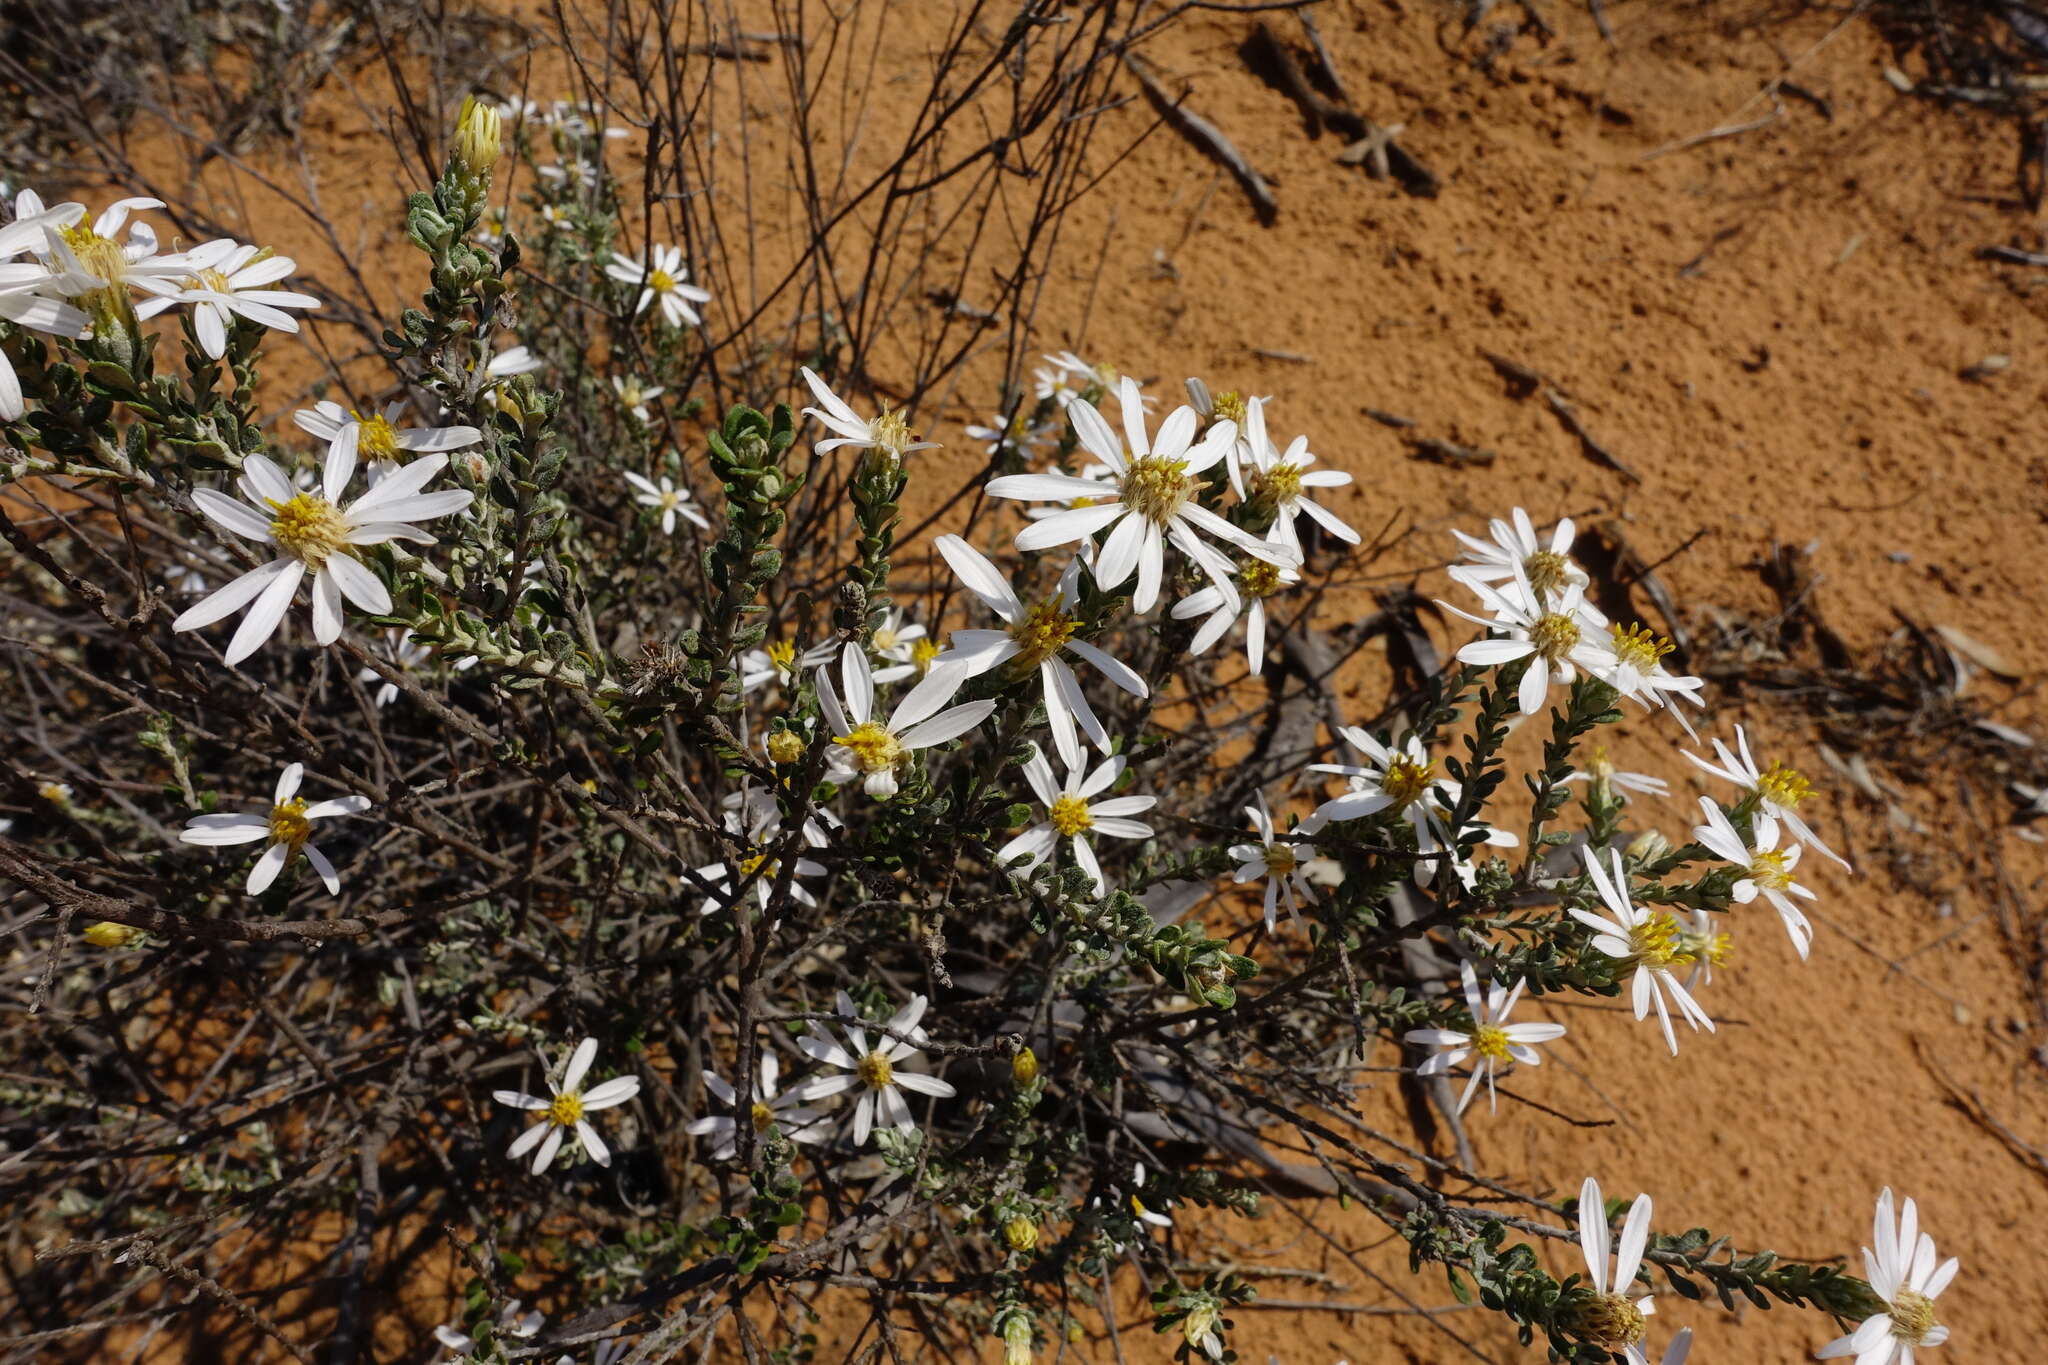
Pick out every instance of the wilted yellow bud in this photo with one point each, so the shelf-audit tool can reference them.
(1199, 1322)
(1024, 1067)
(1021, 1233)
(1017, 1339)
(477, 136)
(107, 934)
(1647, 847)
(786, 746)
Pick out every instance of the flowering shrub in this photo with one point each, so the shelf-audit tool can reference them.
(720, 903)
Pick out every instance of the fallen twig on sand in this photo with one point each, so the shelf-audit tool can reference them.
(1448, 452)
(1367, 143)
(1207, 136)
(1525, 381)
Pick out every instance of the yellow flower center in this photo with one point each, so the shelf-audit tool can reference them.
(1554, 635)
(1781, 786)
(872, 747)
(761, 1116)
(1406, 780)
(212, 280)
(1229, 406)
(1281, 483)
(567, 1110)
(1655, 940)
(885, 640)
(1156, 489)
(101, 256)
(875, 1071)
(660, 281)
(1710, 947)
(288, 822)
(890, 431)
(56, 793)
(1912, 1316)
(375, 438)
(1639, 647)
(785, 746)
(1260, 579)
(631, 394)
(1070, 816)
(1610, 1321)
(1547, 571)
(1767, 869)
(309, 528)
(922, 652)
(1042, 633)
(782, 656)
(1280, 859)
(1490, 1041)
(757, 863)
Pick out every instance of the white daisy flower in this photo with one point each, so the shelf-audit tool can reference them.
(402, 649)
(766, 1108)
(1014, 432)
(1269, 475)
(1776, 790)
(1516, 549)
(1647, 938)
(669, 500)
(56, 793)
(778, 663)
(1635, 669)
(882, 752)
(564, 1110)
(1148, 500)
(762, 868)
(288, 825)
(1073, 814)
(1283, 863)
(1491, 1038)
(224, 280)
(888, 432)
(25, 286)
(1769, 868)
(1039, 638)
(661, 277)
(1905, 1272)
(877, 1070)
(1611, 1321)
(1063, 378)
(316, 533)
(1257, 581)
(512, 1324)
(1557, 633)
(1403, 779)
(1138, 1209)
(906, 645)
(1601, 769)
(635, 396)
(378, 437)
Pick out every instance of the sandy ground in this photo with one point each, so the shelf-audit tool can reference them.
(1770, 330)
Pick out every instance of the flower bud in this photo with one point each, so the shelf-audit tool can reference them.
(1200, 1321)
(1647, 847)
(477, 136)
(786, 746)
(1021, 1233)
(1017, 1339)
(107, 934)
(1023, 1068)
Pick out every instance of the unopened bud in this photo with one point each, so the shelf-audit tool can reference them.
(478, 136)
(1024, 1067)
(1021, 1233)
(785, 746)
(1017, 1339)
(107, 934)
(1647, 847)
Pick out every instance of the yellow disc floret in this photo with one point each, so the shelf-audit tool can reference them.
(1767, 869)
(660, 281)
(872, 747)
(1555, 635)
(1491, 1041)
(375, 437)
(288, 822)
(891, 432)
(922, 652)
(1656, 939)
(761, 1116)
(782, 656)
(875, 1071)
(1610, 1321)
(309, 528)
(1406, 780)
(1070, 816)
(1041, 633)
(1281, 483)
(1639, 647)
(1781, 786)
(1260, 579)
(1912, 1316)
(1547, 571)
(566, 1109)
(1281, 859)
(1156, 489)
